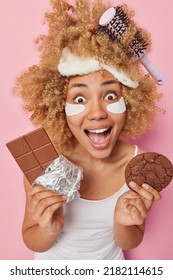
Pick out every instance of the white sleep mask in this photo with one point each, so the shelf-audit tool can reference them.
(72, 65)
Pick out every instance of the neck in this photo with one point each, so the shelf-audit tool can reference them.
(79, 154)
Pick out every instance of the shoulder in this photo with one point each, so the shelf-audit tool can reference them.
(140, 151)
(129, 150)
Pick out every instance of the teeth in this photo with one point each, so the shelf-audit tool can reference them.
(98, 130)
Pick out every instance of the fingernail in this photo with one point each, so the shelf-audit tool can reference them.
(145, 186)
(124, 200)
(132, 184)
(64, 197)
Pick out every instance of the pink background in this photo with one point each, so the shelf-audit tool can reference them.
(21, 22)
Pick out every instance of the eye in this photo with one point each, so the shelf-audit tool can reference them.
(79, 99)
(111, 96)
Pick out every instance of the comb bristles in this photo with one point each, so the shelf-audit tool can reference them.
(118, 25)
(115, 22)
(137, 46)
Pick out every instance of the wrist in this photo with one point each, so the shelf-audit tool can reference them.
(128, 236)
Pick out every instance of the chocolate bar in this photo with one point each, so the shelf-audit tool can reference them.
(33, 152)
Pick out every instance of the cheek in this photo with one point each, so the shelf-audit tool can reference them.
(117, 107)
(74, 122)
(74, 116)
(119, 120)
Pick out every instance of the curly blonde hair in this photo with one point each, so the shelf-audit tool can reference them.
(43, 89)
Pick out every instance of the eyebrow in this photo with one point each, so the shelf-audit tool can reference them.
(78, 85)
(109, 82)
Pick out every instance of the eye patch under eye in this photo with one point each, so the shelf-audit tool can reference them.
(73, 109)
(117, 107)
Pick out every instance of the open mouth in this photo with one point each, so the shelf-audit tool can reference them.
(99, 136)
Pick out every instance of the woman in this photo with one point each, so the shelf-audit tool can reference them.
(88, 93)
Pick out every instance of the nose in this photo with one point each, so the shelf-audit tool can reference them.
(96, 111)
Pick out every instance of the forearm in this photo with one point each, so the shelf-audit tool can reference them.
(43, 219)
(128, 237)
(39, 240)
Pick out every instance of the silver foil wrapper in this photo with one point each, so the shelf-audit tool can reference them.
(63, 177)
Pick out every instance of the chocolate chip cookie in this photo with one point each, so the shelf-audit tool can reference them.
(151, 168)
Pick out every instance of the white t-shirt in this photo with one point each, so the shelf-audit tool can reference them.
(88, 231)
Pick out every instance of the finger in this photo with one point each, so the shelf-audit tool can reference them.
(148, 191)
(139, 205)
(146, 196)
(131, 194)
(143, 191)
(46, 217)
(33, 191)
(135, 214)
(154, 192)
(45, 194)
(38, 206)
(40, 194)
(46, 203)
(127, 195)
(39, 189)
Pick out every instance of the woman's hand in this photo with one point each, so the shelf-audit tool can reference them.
(45, 208)
(133, 206)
